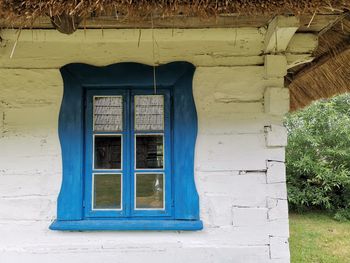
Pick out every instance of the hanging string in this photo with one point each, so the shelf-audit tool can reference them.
(154, 60)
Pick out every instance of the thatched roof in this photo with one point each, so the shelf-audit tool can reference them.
(31, 9)
(329, 74)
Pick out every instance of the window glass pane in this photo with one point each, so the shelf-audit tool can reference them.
(107, 191)
(108, 113)
(149, 113)
(149, 191)
(108, 152)
(149, 151)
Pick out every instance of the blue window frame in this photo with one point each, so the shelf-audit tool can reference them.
(107, 175)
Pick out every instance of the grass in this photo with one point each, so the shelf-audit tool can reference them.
(318, 238)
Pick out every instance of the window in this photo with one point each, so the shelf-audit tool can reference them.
(127, 151)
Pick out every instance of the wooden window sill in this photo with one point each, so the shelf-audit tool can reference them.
(124, 225)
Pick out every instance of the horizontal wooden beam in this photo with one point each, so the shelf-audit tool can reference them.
(308, 22)
(202, 47)
(300, 49)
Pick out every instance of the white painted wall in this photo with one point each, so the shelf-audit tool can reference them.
(239, 172)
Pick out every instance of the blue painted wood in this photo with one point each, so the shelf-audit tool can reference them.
(70, 132)
(128, 74)
(78, 79)
(185, 134)
(106, 225)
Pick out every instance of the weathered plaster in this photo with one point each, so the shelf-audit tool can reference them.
(231, 145)
(239, 176)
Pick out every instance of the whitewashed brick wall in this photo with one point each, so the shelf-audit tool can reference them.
(239, 172)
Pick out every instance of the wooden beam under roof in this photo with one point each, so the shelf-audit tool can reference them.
(308, 22)
(202, 47)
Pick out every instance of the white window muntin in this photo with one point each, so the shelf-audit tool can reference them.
(121, 151)
(92, 193)
(149, 134)
(164, 184)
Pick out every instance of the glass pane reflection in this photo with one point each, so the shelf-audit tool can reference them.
(149, 151)
(149, 112)
(108, 113)
(107, 191)
(107, 152)
(149, 191)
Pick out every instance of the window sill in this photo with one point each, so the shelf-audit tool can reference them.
(110, 225)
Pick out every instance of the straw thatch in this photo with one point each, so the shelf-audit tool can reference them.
(31, 9)
(329, 74)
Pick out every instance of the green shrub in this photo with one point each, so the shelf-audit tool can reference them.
(318, 157)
